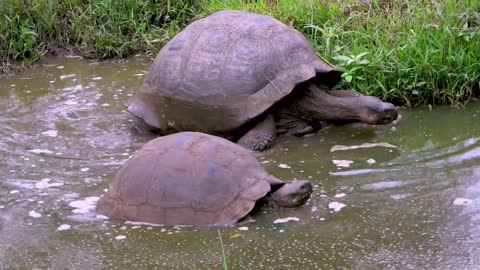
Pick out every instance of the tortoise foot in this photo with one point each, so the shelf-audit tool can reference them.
(261, 137)
(262, 144)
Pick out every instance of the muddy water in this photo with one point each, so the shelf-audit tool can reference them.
(64, 132)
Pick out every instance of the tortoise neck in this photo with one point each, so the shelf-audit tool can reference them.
(317, 105)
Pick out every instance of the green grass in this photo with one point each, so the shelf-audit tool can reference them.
(95, 29)
(410, 52)
(224, 257)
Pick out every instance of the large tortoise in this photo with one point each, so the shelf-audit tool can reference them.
(192, 178)
(248, 78)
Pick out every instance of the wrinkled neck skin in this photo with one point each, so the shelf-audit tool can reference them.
(270, 203)
(317, 105)
(316, 108)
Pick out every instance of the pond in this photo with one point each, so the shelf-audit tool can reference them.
(403, 196)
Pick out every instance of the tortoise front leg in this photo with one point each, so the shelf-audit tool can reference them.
(260, 137)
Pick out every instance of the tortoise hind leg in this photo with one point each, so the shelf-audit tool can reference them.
(260, 137)
(306, 129)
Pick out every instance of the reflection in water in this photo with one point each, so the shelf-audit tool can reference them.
(65, 132)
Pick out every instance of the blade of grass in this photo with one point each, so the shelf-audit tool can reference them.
(224, 258)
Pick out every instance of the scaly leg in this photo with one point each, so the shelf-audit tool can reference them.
(260, 137)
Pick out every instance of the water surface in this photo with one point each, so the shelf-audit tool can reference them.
(65, 132)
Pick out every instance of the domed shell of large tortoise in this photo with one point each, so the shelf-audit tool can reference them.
(224, 70)
(187, 178)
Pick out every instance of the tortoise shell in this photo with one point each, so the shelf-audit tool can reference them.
(187, 178)
(224, 70)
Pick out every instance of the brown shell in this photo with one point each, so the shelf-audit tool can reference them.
(224, 70)
(188, 178)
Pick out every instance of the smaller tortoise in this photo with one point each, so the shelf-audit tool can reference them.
(192, 178)
(248, 78)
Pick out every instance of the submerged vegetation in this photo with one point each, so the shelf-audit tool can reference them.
(409, 52)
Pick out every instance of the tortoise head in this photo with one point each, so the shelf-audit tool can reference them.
(344, 106)
(291, 194)
(372, 110)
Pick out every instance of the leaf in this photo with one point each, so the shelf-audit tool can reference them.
(342, 58)
(361, 55)
(353, 69)
(422, 83)
(237, 235)
(348, 78)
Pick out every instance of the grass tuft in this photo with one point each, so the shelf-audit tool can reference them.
(95, 29)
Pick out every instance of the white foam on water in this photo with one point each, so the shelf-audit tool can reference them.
(384, 185)
(371, 161)
(357, 172)
(120, 237)
(342, 163)
(243, 228)
(63, 77)
(400, 196)
(45, 183)
(34, 214)
(462, 201)
(51, 133)
(285, 220)
(96, 78)
(41, 151)
(64, 227)
(14, 191)
(340, 195)
(284, 166)
(85, 169)
(142, 223)
(336, 206)
(84, 206)
(71, 102)
(71, 195)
